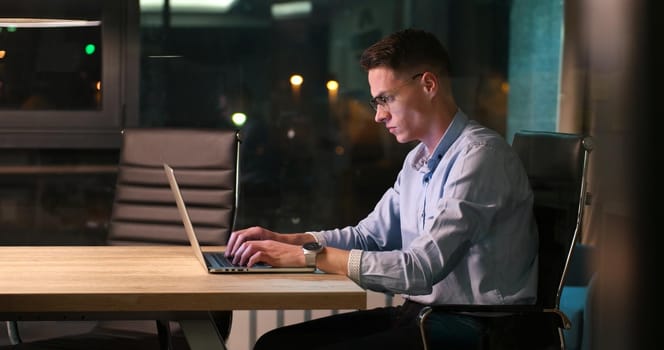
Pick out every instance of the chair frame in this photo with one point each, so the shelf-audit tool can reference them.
(561, 320)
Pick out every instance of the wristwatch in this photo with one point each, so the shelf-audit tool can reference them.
(310, 250)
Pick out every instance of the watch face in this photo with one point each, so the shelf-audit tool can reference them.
(315, 246)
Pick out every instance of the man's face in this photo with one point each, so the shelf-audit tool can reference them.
(400, 103)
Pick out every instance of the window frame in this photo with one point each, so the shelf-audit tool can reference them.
(89, 128)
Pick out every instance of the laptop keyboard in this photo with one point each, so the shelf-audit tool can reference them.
(218, 259)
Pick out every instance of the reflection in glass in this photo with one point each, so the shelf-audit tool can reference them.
(50, 67)
(312, 155)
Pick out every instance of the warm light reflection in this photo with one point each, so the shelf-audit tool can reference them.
(296, 80)
(339, 150)
(505, 87)
(332, 91)
(98, 86)
(332, 85)
(2, 54)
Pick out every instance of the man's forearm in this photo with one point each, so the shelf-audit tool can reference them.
(330, 260)
(333, 260)
(295, 238)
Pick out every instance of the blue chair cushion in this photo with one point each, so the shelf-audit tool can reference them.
(572, 303)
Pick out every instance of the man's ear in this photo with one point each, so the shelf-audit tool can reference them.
(431, 83)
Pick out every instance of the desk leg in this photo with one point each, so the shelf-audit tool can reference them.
(202, 335)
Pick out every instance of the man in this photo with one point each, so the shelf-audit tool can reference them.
(456, 228)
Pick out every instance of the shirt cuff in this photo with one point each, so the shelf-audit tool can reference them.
(312, 235)
(318, 236)
(354, 259)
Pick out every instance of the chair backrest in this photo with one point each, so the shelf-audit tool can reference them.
(206, 164)
(556, 165)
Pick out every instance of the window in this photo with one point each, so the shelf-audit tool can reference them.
(312, 155)
(285, 73)
(61, 73)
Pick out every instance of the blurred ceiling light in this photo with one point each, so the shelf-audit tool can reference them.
(188, 5)
(46, 23)
(291, 9)
(296, 80)
(332, 85)
(2, 54)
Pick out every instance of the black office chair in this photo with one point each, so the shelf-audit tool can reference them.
(144, 212)
(556, 165)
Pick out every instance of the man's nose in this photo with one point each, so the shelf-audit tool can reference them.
(381, 114)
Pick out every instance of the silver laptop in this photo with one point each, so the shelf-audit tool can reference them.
(216, 262)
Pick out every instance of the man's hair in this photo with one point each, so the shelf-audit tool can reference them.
(407, 49)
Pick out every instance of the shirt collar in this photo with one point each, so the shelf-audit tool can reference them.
(425, 163)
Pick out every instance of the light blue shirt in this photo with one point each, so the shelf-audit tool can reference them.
(456, 228)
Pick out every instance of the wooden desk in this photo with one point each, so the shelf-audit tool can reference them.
(46, 282)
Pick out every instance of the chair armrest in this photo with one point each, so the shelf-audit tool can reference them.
(497, 311)
(13, 333)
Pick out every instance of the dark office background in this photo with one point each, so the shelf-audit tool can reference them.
(311, 158)
(313, 161)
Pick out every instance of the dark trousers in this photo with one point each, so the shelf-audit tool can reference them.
(382, 328)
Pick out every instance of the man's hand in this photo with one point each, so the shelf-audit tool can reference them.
(234, 246)
(270, 252)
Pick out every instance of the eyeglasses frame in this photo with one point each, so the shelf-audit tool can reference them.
(384, 99)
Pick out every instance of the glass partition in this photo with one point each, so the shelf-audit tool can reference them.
(286, 74)
(61, 110)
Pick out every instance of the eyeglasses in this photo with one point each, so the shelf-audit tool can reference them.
(384, 100)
